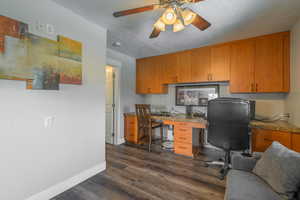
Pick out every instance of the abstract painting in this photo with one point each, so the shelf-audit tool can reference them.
(44, 79)
(42, 62)
(12, 48)
(70, 60)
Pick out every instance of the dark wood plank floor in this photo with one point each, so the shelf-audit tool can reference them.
(134, 173)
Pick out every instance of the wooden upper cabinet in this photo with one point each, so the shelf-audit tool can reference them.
(141, 69)
(242, 66)
(286, 62)
(156, 76)
(184, 67)
(269, 63)
(142, 75)
(170, 70)
(200, 64)
(220, 62)
(261, 64)
(256, 65)
(149, 76)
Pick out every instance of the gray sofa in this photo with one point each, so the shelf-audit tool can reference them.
(242, 184)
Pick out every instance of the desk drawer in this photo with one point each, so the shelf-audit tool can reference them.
(262, 139)
(183, 134)
(130, 128)
(185, 149)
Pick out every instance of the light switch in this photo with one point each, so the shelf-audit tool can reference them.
(49, 122)
(40, 26)
(50, 29)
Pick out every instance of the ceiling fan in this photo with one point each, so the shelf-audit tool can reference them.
(174, 15)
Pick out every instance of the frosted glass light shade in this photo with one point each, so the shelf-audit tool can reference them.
(169, 17)
(178, 26)
(188, 16)
(160, 25)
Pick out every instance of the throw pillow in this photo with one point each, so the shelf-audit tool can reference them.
(280, 168)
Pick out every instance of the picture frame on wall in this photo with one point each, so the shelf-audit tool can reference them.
(196, 95)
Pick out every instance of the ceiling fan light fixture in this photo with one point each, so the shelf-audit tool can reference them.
(178, 26)
(169, 17)
(160, 25)
(188, 16)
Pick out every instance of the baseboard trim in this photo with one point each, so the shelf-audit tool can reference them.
(121, 141)
(69, 183)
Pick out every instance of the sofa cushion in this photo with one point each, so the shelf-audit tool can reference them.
(242, 185)
(279, 167)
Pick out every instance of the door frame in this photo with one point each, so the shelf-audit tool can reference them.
(117, 126)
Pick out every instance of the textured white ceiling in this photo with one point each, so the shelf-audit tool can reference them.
(230, 19)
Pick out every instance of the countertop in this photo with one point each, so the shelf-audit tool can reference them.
(273, 126)
(178, 117)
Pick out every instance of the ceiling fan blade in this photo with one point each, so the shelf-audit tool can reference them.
(201, 23)
(155, 33)
(135, 10)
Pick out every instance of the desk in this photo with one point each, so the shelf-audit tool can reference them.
(187, 132)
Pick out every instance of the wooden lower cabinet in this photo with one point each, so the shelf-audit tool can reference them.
(131, 128)
(183, 140)
(296, 142)
(182, 148)
(262, 139)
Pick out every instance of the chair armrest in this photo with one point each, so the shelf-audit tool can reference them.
(240, 162)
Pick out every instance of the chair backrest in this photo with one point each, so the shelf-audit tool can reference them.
(143, 113)
(228, 123)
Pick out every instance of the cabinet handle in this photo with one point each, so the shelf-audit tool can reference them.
(175, 79)
(182, 130)
(182, 124)
(182, 138)
(211, 77)
(252, 87)
(269, 140)
(181, 147)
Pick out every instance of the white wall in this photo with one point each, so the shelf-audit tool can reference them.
(128, 97)
(266, 104)
(34, 158)
(293, 100)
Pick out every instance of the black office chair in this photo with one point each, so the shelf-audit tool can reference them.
(228, 126)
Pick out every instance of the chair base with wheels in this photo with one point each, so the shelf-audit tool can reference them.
(225, 163)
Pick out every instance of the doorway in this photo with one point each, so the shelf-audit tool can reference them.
(110, 105)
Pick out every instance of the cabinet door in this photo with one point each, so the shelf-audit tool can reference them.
(242, 66)
(286, 62)
(184, 67)
(262, 139)
(149, 76)
(220, 63)
(201, 64)
(130, 128)
(170, 69)
(269, 63)
(141, 76)
(296, 142)
(155, 75)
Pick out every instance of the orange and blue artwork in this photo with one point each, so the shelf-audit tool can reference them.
(42, 62)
